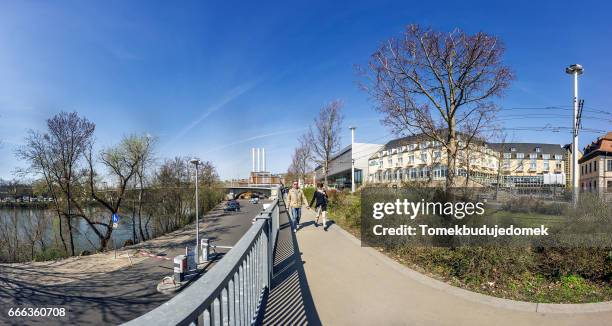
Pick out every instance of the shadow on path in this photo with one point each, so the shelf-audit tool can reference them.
(289, 301)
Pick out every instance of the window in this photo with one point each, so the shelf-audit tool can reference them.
(609, 185)
(533, 155)
(538, 149)
(558, 157)
(413, 173)
(558, 165)
(546, 165)
(506, 164)
(380, 163)
(507, 155)
(532, 165)
(390, 161)
(437, 154)
(513, 149)
(520, 155)
(424, 157)
(609, 165)
(400, 161)
(595, 164)
(424, 144)
(411, 159)
(411, 147)
(546, 156)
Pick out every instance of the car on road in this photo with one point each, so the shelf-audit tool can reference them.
(232, 205)
(254, 200)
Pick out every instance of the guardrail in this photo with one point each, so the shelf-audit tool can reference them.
(231, 292)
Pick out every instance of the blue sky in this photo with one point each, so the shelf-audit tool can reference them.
(213, 79)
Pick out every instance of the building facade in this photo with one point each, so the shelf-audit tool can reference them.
(339, 170)
(414, 158)
(596, 166)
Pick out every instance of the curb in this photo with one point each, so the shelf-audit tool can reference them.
(555, 308)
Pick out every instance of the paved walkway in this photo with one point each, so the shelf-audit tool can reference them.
(351, 285)
(289, 302)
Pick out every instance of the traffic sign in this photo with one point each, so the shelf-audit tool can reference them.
(115, 218)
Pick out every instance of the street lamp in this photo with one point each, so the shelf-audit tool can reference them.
(352, 159)
(575, 70)
(197, 163)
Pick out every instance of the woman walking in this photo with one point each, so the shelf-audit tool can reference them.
(319, 198)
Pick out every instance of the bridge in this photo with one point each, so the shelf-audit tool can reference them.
(268, 190)
(275, 277)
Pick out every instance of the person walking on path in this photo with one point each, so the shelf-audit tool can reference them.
(319, 198)
(296, 199)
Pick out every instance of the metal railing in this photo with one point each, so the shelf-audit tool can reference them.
(231, 292)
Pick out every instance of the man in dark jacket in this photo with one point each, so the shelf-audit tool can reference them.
(319, 198)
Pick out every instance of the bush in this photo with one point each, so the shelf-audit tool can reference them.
(591, 263)
(526, 204)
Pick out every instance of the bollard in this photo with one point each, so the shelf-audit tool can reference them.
(205, 249)
(180, 266)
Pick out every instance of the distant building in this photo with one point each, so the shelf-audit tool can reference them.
(596, 166)
(264, 178)
(339, 174)
(417, 158)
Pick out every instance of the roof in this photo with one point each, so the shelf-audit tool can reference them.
(335, 155)
(601, 146)
(529, 148)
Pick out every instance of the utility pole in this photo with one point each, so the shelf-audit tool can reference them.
(352, 159)
(575, 70)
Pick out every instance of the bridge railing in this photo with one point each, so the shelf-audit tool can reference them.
(231, 292)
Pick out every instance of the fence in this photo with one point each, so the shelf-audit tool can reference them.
(232, 291)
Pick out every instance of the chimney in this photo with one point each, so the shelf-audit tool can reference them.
(257, 161)
(253, 158)
(263, 159)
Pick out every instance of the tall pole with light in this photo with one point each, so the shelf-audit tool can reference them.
(352, 159)
(575, 70)
(197, 163)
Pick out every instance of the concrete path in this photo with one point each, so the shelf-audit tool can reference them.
(351, 285)
(289, 301)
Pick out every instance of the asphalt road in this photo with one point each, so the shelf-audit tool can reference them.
(121, 295)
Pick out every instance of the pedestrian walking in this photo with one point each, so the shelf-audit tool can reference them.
(295, 200)
(319, 198)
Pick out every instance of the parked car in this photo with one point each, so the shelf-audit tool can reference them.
(254, 200)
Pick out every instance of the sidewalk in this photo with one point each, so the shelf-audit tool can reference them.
(289, 301)
(351, 285)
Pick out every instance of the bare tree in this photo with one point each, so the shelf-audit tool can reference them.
(325, 138)
(439, 85)
(55, 155)
(301, 158)
(122, 163)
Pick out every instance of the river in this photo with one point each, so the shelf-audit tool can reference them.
(24, 223)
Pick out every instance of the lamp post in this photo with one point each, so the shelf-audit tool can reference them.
(575, 70)
(352, 159)
(197, 163)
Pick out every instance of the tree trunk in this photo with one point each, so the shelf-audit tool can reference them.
(70, 233)
(142, 235)
(59, 218)
(133, 222)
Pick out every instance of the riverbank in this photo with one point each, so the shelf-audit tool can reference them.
(79, 268)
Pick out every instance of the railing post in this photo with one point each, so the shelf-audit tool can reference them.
(269, 245)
